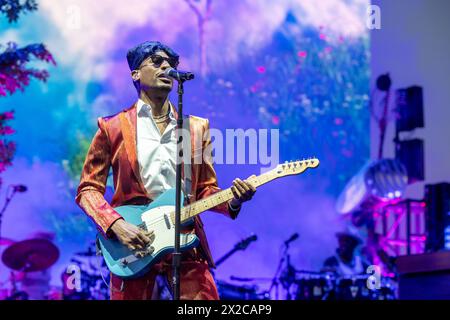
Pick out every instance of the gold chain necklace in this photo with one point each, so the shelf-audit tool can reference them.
(161, 118)
(160, 121)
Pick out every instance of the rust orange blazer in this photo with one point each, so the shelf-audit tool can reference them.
(114, 145)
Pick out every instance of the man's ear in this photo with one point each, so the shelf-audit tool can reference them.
(136, 75)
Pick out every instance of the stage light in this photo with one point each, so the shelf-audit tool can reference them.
(378, 181)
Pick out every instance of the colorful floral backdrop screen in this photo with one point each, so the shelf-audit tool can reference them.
(301, 67)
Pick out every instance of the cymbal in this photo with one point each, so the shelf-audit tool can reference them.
(30, 255)
(6, 242)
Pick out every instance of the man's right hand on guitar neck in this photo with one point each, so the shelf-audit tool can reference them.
(132, 236)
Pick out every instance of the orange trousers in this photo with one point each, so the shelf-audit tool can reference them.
(197, 282)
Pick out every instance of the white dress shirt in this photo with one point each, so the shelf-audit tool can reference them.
(156, 152)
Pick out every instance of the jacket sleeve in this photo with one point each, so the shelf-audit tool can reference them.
(90, 193)
(207, 181)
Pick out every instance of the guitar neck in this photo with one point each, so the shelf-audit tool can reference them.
(220, 197)
(286, 169)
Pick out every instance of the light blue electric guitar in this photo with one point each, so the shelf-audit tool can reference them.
(159, 216)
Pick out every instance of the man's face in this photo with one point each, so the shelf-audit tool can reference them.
(151, 75)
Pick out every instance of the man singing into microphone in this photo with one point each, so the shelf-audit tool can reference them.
(139, 144)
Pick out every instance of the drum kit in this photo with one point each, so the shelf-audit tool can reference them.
(307, 285)
(93, 277)
(25, 258)
(331, 287)
(38, 255)
(29, 262)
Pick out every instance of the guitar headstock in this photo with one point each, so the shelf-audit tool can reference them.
(243, 244)
(296, 167)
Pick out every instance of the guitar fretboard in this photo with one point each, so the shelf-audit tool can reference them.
(218, 198)
(294, 167)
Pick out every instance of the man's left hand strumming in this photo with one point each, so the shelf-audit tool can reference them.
(243, 191)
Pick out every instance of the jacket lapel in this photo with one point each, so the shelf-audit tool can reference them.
(128, 127)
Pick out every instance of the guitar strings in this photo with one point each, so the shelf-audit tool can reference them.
(190, 206)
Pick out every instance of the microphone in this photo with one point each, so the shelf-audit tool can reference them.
(20, 188)
(178, 74)
(292, 238)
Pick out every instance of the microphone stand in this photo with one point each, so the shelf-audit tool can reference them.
(276, 278)
(8, 199)
(176, 256)
(287, 278)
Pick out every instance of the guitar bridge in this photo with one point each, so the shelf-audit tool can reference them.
(143, 253)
